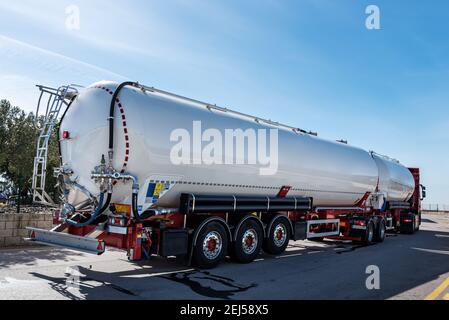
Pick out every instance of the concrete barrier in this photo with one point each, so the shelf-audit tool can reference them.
(12, 226)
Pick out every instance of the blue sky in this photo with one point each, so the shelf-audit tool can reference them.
(308, 63)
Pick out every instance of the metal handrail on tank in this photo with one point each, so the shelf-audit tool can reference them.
(384, 156)
(223, 109)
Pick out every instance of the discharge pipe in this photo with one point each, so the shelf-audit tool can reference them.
(135, 188)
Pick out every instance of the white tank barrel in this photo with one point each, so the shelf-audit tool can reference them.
(150, 127)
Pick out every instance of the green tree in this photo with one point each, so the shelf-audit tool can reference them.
(18, 138)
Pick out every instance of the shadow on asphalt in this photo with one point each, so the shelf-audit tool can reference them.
(405, 263)
(29, 257)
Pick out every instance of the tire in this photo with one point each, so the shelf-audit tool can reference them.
(211, 246)
(368, 238)
(278, 236)
(381, 231)
(248, 242)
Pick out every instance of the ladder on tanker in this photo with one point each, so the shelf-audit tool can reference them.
(58, 100)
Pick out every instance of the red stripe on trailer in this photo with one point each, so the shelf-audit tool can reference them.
(283, 192)
(361, 202)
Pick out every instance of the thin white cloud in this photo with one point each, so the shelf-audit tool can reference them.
(24, 65)
(15, 49)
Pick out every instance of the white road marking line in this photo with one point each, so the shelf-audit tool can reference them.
(432, 251)
(158, 274)
(289, 255)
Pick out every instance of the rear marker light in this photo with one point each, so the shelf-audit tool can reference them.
(65, 135)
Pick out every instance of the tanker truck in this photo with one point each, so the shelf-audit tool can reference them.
(156, 173)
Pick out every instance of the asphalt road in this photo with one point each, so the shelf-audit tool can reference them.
(410, 267)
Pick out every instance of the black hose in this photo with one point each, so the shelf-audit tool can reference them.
(134, 207)
(107, 203)
(94, 215)
(112, 109)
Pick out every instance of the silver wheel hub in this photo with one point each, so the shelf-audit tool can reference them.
(249, 241)
(212, 245)
(279, 235)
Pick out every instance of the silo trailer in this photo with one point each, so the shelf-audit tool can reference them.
(156, 173)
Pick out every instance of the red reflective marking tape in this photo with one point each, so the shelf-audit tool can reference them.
(283, 192)
(127, 152)
(123, 117)
(32, 235)
(100, 246)
(124, 123)
(126, 130)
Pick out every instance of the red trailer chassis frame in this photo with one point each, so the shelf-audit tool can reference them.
(144, 238)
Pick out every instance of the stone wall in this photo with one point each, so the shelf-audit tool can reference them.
(12, 226)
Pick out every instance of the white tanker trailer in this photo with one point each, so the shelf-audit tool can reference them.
(201, 169)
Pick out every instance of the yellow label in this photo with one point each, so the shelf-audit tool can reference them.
(122, 208)
(158, 189)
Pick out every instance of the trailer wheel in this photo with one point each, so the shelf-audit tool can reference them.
(248, 242)
(211, 246)
(278, 236)
(369, 233)
(380, 231)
